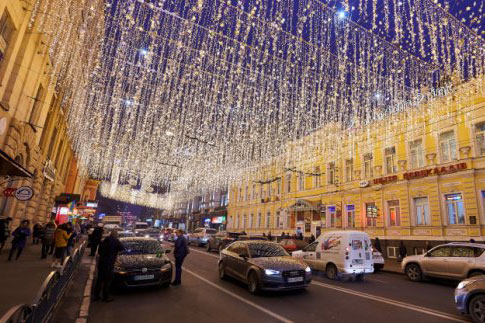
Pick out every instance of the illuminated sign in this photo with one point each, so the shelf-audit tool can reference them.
(218, 219)
(92, 204)
(63, 210)
(385, 180)
(435, 171)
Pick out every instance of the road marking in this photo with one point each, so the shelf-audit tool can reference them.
(262, 309)
(408, 306)
(375, 279)
(204, 253)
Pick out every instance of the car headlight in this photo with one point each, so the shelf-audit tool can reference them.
(119, 270)
(271, 272)
(308, 269)
(463, 284)
(166, 267)
(147, 236)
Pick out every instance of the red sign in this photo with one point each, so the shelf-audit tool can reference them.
(385, 180)
(9, 192)
(435, 171)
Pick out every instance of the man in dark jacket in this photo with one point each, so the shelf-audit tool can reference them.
(95, 239)
(181, 250)
(4, 231)
(108, 251)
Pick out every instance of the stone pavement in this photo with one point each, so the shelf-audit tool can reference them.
(21, 280)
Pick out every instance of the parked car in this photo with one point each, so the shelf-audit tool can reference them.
(263, 265)
(154, 233)
(143, 263)
(470, 298)
(339, 253)
(221, 240)
(291, 245)
(126, 234)
(451, 260)
(139, 228)
(378, 260)
(200, 236)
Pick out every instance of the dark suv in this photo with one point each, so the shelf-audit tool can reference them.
(221, 240)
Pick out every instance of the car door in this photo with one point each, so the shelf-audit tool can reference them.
(229, 259)
(242, 263)
(309, 254)
(436, 261)
(462, 258)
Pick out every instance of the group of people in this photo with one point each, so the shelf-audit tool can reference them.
(56, 240)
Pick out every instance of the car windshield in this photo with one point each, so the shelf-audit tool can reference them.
(141, 247)
(266, 250)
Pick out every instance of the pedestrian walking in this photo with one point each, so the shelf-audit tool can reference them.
(72, 238)
(181, 250)
(428, 246)
(95, 239)
(472, 240)
(61, 237)
(403, 252)
(312, 238)
(48, 239)
(4, 231)
(377, 244)
(108, 251)
(36, 233)
(19, 240)
(270, 237)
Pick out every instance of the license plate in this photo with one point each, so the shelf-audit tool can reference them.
(295, 279)
(357, 262)
(144, 277)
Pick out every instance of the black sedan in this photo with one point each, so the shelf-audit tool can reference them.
(143, 263)
(263, 265)
(221, 240)
(470, 297)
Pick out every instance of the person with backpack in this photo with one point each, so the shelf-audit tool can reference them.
(48, 239)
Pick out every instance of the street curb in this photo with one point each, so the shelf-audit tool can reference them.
(84, 310)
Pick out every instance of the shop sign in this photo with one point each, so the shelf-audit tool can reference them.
(218, 219)
(24, 193)
(435, 171)
(49, 171)
(385, 180)
(364, 184)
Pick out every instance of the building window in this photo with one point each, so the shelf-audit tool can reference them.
(236, 223)
(447, 146)
(349, 170)
(323, 215)
(332, 213)
(455, 208)
(416, 158)
(288, 183)
(253, 192)
(350, 213)
(36, 107)
(268, 219)
(301, 182)
(390, 159)
(331, 173)
(371, 214)
(316, 177)
(368, 172)
(245, 221)
(480, 137)
(6, 31)
(246, 193)
(261, 191)
(421, 209)
(240, 194)
(259, 221)
(278, 188)
(277, 220)
(224, 199)
(394, 212)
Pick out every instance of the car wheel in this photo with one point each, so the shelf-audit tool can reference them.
(414, 273)
(253, 283)
(475, 273)
(208, 247)
(331, 271)
(222, 271)
(359, 277)
(476, 308)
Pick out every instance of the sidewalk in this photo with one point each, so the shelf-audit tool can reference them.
(21, 280)
(392, 266)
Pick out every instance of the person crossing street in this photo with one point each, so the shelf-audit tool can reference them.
(181, 250)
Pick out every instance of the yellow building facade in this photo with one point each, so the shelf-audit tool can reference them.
(415, 177)
(33, 128)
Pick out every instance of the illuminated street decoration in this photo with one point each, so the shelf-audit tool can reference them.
(189, 95)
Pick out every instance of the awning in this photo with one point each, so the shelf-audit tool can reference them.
(303, 205)
(9, 167)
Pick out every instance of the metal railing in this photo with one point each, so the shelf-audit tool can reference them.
(49, 294)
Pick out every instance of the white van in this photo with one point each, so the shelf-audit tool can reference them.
(340, 253)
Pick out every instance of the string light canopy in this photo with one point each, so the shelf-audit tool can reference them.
(188, 96)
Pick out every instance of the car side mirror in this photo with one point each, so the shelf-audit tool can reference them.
(244, 256)
(168, 251)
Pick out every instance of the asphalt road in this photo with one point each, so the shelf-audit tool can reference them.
(203, 297)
